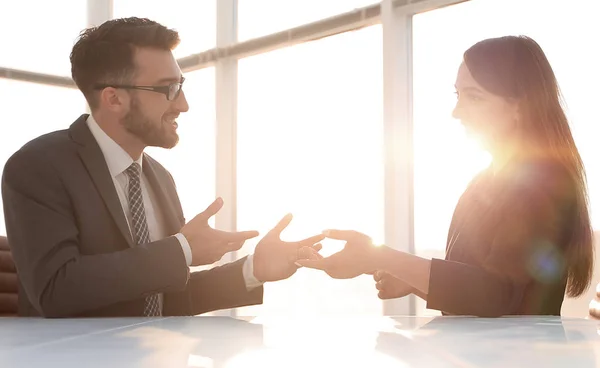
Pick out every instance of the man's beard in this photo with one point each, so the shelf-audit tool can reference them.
(153, 135)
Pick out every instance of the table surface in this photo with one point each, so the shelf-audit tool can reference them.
(300, 342)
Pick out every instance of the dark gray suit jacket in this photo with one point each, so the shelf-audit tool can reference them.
(72, 246)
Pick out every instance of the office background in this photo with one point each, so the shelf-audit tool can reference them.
(337, 111)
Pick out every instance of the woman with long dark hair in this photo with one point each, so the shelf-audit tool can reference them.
(520, 236)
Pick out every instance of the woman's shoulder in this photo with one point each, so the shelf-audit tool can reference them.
(538, 177)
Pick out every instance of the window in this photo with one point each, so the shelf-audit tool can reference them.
(38, 35)
(55, 108)
(310, 142)
(444, 159)
(194, 20)
(261, 17)
(192, 161)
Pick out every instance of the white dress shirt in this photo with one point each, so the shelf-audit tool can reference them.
(118, 160)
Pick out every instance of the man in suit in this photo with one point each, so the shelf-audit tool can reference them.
(95, 224)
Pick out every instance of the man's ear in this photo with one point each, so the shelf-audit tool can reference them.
(113, 99)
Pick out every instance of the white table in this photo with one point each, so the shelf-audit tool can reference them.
(300, 342)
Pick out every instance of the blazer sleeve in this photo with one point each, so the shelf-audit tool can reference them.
(43, 233)
(527, 250)
(221, 287)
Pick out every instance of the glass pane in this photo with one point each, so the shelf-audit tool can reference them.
(194, 20)
(59, 107)
(310, 142)
(37, 38)
(261, 17)
(192, 161)
(448, 154)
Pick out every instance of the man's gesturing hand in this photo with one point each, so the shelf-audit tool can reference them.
(210, 245)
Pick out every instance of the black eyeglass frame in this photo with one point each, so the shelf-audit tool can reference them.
(171, 91)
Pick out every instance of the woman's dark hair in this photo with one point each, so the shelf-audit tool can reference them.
(516, 68)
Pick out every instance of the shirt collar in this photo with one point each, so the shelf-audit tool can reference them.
(117, 159)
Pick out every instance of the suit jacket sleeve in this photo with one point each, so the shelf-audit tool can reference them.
(221, 287)
(527, 250)
(58, 280)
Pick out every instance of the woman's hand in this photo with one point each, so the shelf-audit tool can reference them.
(358, 257)
(391, 287)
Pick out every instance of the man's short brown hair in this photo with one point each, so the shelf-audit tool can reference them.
(104, 54)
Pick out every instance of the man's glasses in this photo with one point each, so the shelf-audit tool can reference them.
(172, 91)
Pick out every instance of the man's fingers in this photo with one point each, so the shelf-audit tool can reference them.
(281, 225)
(225, 247)
(236, 236)
(328, 264)
(347, 235)
(310, 241)
(308, 253)
(317, 264)
(233, 246)
(317, 247)
(212, 209)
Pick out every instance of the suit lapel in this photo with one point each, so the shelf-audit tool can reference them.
(159, 187)
(94, 161)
